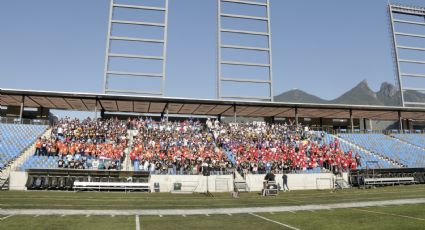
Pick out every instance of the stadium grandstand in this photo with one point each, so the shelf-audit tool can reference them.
(176, 136)
(135, 158)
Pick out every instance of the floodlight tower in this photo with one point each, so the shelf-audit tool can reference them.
(113, 36)
(406, 50)
(223, 78)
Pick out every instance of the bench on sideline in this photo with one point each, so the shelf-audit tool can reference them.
(108, 186)
(389, 181)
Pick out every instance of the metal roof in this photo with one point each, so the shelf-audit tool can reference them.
(191, 106)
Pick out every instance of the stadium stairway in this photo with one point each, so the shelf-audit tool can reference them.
(127, 166)
(239, 183)
(15, 164)
(230, 156)
(375, 155)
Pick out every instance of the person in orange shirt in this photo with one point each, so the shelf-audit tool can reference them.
(38, 144)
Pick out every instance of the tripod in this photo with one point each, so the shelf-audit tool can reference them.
(207, 193)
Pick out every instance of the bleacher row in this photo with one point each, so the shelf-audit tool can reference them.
(376, 150)
(15, 138)
(401, 151)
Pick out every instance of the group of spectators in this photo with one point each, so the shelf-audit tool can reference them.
(259, 147)
(179, 147)
(86, 144)
(192, 146)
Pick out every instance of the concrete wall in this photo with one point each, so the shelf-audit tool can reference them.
(224, 183)
(295, 181)
(197, 183)
(17, 180)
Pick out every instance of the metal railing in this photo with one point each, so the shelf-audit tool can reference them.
(24, 121)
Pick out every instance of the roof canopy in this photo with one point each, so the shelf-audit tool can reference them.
(186, 106)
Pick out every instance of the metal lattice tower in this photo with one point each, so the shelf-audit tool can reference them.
(400, 60)
(220, 62)
(110, 73)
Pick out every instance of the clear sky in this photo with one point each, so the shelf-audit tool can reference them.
(323, 47)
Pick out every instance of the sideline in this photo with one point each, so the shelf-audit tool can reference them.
(174, 212)
(391, 214)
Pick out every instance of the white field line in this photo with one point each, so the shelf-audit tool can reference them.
(180, 212)
(390, 214)
(276, 222)
(4, 218)
(137, 222)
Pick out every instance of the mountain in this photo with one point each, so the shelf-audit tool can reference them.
(299, 96)
(388, 94)
(414, 96)
(361, 94)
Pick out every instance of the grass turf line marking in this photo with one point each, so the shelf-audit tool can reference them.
(137, 222)
(4, 218)
(391, 214)
(276, 222)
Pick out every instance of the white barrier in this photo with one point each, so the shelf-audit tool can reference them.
(166, 182)
(295, 181)
(111, 186)
(17, 180)
(254, 182)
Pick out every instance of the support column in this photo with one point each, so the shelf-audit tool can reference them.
(321, 123)
(370, 124)
(166, 113)
(102, 113)
(21, 111)
(234, 113)
(400, 122)
(364, 124)
(351, 121)
(95, 111)
(296, 116)
(219, 117)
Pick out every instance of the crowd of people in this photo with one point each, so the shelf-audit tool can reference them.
(86, 144)
(260, 148)
(179, 147)
(192, 147)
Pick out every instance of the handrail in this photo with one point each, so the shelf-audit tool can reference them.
(24, 121)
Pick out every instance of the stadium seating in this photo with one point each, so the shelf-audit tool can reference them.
(415, 139)
(40, 162)
(14, 138)
(393, 149)
(366, 159)
(222, 146)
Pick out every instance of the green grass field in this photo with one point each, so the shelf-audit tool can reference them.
(114, 200)
(388, 217)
